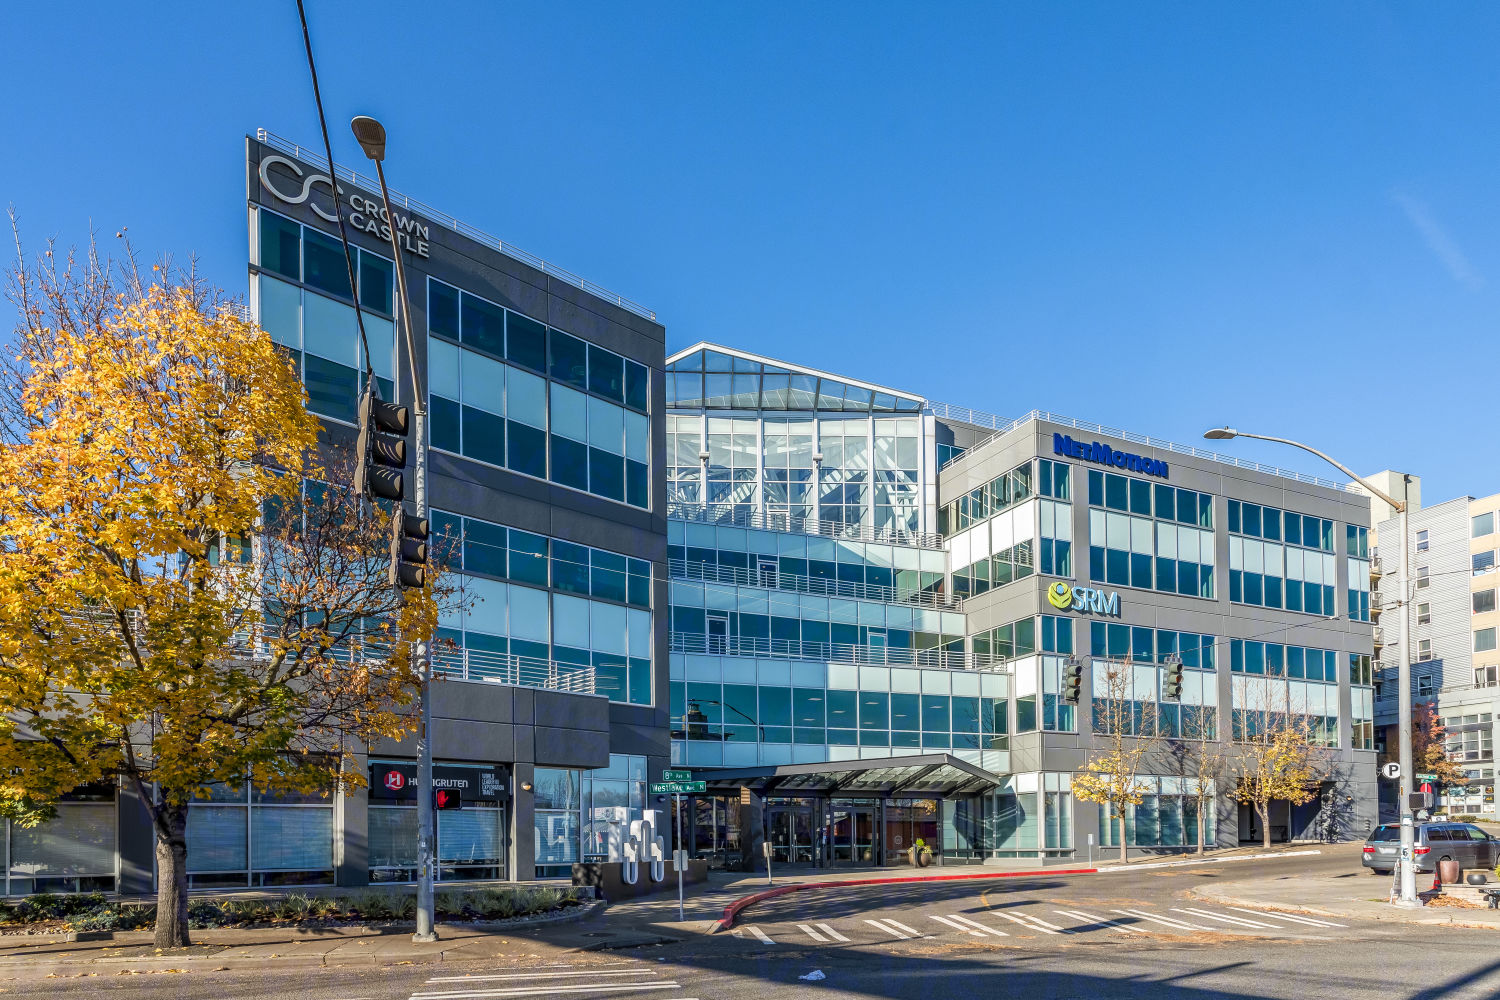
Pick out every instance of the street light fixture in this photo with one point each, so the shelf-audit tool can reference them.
(1407, 881)
(371, 136)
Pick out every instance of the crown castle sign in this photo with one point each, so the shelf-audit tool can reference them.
(286, 180)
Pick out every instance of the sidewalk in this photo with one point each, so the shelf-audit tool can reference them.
(1350, 895)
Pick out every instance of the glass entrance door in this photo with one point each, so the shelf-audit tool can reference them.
(791, 830)
(851, 832)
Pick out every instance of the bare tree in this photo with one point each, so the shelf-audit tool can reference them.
(1277, 755)
(1199, 757)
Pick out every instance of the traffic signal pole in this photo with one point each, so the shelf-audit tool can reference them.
(422, 651)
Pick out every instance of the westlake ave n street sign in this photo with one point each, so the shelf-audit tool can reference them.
(678, 787)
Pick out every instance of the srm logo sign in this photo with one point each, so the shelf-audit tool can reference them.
(1085, 600)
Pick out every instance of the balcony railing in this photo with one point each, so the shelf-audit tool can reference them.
(835, 652)
(523, 671)
(776, 579)
(740, 516)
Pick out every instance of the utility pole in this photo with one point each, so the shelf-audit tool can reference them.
(1405, 865)
(371, 136)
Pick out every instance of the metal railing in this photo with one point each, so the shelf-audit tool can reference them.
(835, 652)
(523, 671)
(1150, 442)
(317, 159)
(740, 516)
(963, 414)
(777, 579)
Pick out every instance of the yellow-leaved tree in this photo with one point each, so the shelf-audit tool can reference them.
(187, 597)
(1126, 737)
(1278, 753)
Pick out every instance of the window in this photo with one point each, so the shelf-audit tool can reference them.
(1424, 649)
(1483, 562)
(495, 398)
(1484, 640)
(1484, 601)
(1150, 536)
(1282, 559)
(1486, 677)
(1424, 614)
(1424, 686)
(1423, 579)
(1483, 524)
(1423, 540)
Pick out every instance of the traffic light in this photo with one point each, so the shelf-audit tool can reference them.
(1172, 690)
(380, 457)
(1072, 680)
(408, 550)
(447, 798)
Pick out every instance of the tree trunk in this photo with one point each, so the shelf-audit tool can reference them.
(1202, 828)
(1123, 856)
(171, 877)
(1265, 824)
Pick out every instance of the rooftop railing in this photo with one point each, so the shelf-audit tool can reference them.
(741, 516)
(1120, 433)
(776, 579)
(458, 226)
(835, 652)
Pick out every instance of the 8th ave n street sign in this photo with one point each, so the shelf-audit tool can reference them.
(678, 787)
(677, 776)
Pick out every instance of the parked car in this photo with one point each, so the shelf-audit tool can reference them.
(1465, 843)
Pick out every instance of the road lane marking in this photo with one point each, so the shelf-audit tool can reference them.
(1241, 921)
(881, 926)
(1181, 925)
(812, 934)
(984, 927)
(900, 926)
(541, 975)
(955, 925)
(764, 939)
(1287, 916)
(831, 932)
(1026, 923)
(550, 989)
(1091, 919)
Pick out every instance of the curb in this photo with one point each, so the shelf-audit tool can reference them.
(1456, 920)
(41, 963)
(745, 902)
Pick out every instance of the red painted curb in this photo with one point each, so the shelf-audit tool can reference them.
(733, 909)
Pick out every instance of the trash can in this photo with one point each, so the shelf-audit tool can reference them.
(1449, 871)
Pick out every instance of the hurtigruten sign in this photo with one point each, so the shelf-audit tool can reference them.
(290, 183)
(1105, 455)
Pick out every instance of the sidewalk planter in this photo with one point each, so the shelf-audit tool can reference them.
(921, 857)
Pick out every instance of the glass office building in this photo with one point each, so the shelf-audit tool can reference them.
(864, 654)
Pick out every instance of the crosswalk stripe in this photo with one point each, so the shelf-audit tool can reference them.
(984, 927)
(881, 926)
(542, 975)
(1239, 921)
(1287, 916)
(764, 939)
(813, 934)
(955, 925)
(1090, 918)
(1025, 923)
(549, 989)
(900, 926)
(831, 932)
(1167, 921)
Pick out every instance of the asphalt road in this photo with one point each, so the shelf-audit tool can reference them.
(1128, 934)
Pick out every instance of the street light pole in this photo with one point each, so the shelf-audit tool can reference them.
(1405, 864)
(371, 136)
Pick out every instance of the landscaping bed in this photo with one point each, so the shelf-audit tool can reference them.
(93, 912)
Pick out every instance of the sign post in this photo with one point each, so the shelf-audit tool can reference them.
(765, 848)
(678, 855)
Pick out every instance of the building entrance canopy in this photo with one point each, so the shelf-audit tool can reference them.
(938, 775)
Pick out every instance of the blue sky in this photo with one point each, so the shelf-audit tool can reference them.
(1160, 216)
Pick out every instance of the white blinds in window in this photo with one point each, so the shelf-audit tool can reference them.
(287, 838)
(80, 841)
(216, 839)
(469, 836)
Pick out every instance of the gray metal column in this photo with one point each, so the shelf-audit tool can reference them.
(351, 848)
(520, 860)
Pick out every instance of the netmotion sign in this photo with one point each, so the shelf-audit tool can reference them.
(286, 180)
(1096, 451)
